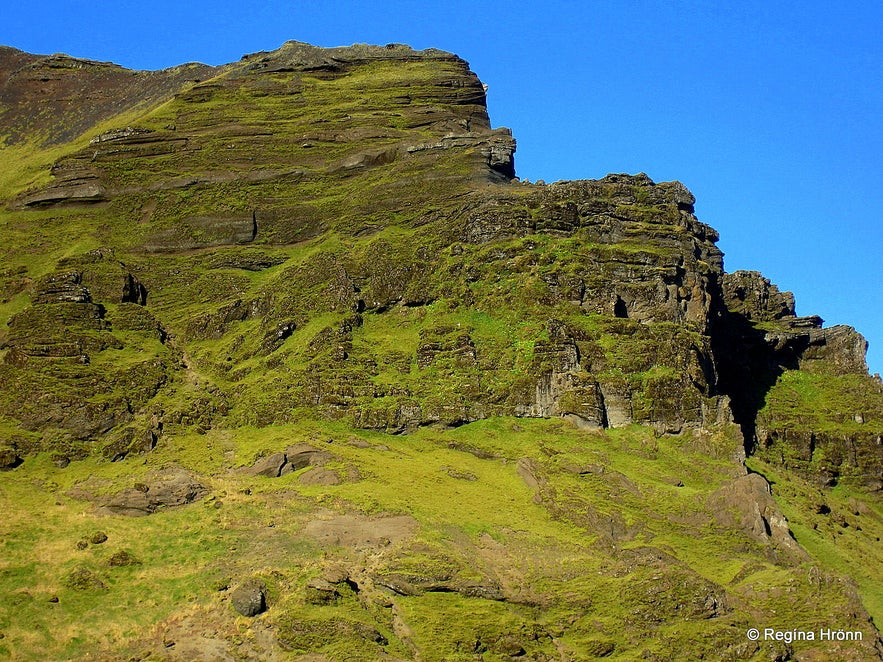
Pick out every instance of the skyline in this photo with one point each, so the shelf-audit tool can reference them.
(770, 116)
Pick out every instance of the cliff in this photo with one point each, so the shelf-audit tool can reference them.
(308, 287)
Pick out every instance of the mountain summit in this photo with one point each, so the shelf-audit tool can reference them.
(330, 380)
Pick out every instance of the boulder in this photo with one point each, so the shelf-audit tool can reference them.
(295, 457)
(746, 503)
(268, 466)
(249, 598)
(299, 456)
(9, 459)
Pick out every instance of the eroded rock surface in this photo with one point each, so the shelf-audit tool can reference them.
(171, 488)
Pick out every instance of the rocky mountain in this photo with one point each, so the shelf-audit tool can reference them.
(292, 366)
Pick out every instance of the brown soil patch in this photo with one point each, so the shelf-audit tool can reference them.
(360, 531)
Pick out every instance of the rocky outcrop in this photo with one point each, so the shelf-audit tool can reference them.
(91, 304)
(315, 240)
(750, 294)
(249, 598)
(295, 457)
(431, 94)
(172, 488)
(777, 368)
(9, 458)
(378, 263)
(746, 503)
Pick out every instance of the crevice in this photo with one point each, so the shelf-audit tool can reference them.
(766, 526)
(748, 366)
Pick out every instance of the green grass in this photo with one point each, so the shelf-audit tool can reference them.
(478, 519)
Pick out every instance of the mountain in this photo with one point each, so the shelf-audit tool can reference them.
(292, 366)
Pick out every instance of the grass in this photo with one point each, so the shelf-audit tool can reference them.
(478, 519)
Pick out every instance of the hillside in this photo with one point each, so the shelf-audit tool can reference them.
(331, 383)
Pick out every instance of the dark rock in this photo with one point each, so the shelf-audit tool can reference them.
(755, 297)
(249, 598)
(9, 459)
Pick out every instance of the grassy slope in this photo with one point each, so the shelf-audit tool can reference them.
(570, 584)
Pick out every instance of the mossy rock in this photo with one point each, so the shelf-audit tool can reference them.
(83, 579)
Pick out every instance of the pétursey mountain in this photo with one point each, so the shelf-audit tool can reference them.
(330, 381)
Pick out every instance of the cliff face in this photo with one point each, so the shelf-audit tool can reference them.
(334, 237)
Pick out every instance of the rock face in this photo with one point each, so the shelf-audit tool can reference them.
(801, 392)
(746, 503)
(603, 302)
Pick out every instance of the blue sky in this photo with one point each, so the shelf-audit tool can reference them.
(770, 112)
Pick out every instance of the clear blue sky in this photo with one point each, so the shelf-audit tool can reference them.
(770, 112)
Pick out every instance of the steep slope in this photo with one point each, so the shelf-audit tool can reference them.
(242, 290)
